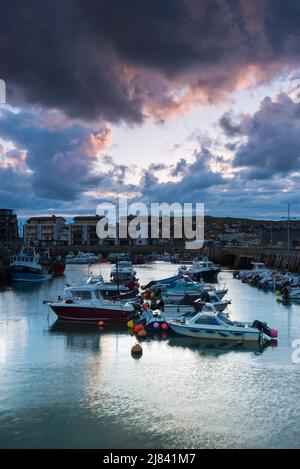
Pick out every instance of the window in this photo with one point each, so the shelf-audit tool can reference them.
(207, 320)
(225, 319)
(83, 295)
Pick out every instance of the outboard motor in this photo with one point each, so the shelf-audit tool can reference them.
(199, 305)
(204, 296)
(262, 326)
(160, 304)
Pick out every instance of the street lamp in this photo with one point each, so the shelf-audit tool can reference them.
(288, 218)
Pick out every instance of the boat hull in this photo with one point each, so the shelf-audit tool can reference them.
(91, 315)
(27, 277)
(208, 276)
(206, 333)
(81, 261)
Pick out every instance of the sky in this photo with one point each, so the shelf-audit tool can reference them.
(165, 101)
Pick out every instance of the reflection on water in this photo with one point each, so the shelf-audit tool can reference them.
(69, 385)
(205, 346)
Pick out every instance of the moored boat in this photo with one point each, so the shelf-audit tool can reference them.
(208, 323)
(85, 303)
(82, 258)
(122, 272)
(28, 266)
(202, 269)
(58, 266)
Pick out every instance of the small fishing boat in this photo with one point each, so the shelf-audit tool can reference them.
(85, 303)
(122, 272)
(110, 290)
(83, 258)
(288, 293)
(152, 321)
(188, 305)
(258, 268)
(179, 288)
(28, 266)
(58, 266)
(188, 301)
(208, 323)
(202, 269)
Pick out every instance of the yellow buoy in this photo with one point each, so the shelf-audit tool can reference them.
(278, 293)
(130, 324)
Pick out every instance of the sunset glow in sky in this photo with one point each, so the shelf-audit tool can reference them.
(168, 101)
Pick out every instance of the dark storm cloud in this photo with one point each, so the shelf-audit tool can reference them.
(195, 177)
(121, 60)
(53, 164)
(272, 138)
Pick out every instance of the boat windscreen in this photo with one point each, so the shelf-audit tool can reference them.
(225, 318)
(208, 320)
(82, 294)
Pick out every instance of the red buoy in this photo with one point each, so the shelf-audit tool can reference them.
(139, 327)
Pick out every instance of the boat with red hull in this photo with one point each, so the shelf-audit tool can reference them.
(85, 303)
(58, 266)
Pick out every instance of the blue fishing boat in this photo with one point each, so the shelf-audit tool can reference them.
(28, 266)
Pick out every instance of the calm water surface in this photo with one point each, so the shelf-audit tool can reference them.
(73, 387)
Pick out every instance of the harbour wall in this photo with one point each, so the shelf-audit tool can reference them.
(241, 257)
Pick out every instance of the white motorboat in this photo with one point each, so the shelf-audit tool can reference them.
(259, 268)
(172, 310)
(82, 258)
(202, 269)
(109, 289)
(211, 324)
(184, 286)
(122, 272)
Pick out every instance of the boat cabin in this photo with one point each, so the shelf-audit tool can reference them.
(85, 292)
(259, 266)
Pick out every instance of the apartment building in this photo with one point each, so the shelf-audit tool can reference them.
(46, 231)
(8, 227)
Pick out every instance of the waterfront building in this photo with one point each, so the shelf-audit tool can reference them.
(8, 227)
(46, 231)
(83, 232)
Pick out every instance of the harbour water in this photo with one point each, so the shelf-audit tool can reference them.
(68, 387)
